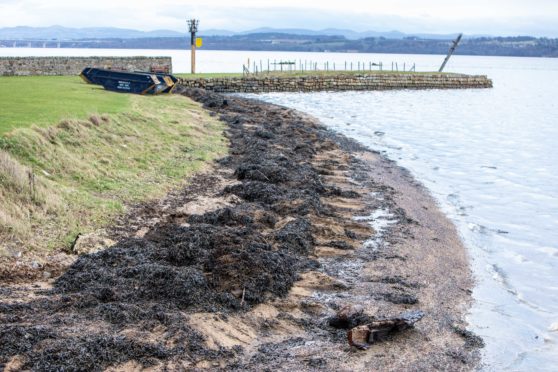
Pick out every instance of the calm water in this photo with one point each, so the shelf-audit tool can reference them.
(490, 157)
(227, 61)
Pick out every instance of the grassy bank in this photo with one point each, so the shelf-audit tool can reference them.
(295, 73)
(75, 175)
(44, 100)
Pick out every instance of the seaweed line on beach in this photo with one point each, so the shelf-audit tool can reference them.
(281, 217)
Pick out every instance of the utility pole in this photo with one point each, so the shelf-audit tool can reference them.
(193, 28)
(452, 49)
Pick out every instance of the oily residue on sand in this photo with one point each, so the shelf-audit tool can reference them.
(244, 267)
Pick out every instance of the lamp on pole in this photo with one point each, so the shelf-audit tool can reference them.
(193, 28)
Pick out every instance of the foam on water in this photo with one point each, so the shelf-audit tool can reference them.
(379, 220)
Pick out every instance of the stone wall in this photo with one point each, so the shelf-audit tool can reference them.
(340, 82)
(26, 66)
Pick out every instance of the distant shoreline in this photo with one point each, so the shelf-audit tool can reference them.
(520, 46)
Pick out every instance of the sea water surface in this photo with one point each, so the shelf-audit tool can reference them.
(489, 157)
(233, 60)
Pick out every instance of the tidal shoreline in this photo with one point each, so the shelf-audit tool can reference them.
(244, 268)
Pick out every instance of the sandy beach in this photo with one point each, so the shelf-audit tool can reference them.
(249, 266)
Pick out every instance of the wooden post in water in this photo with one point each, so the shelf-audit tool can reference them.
(450, 52)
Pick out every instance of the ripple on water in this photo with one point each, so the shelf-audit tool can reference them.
(491, 160)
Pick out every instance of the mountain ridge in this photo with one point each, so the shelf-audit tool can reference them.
(62, 33)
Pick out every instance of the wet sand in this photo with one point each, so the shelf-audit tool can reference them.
(245, 268)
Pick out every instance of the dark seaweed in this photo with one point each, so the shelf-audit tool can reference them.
(226, 260)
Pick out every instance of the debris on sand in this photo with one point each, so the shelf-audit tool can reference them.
(363, 336)
(349, 316)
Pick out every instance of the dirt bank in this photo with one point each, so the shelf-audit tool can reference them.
(246, 268)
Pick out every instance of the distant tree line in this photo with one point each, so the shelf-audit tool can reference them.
(490, 46)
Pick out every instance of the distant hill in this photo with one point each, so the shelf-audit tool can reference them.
(349, 34)
(271, 39)
(67, 33)
(486, 46)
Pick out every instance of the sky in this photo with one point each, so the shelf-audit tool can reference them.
(474, 17)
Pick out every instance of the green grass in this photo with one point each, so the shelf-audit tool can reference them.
(76, 175)
(209, 75)
(43, 100)
(295, 73)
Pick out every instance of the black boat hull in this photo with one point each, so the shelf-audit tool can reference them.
(130, 82)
